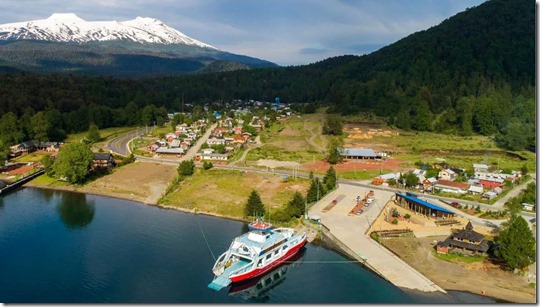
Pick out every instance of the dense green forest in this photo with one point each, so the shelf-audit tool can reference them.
(473, 73)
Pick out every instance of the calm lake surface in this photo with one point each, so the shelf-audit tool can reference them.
(65, 247)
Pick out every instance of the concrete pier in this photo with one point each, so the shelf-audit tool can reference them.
(352, 232)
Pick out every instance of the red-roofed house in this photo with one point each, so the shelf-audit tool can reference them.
(239, 139)
(237, 130)
(488, 185)
(451, 186)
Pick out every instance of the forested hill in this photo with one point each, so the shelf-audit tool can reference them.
(473, 73)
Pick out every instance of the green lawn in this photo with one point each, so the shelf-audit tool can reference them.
(106, 134)
(31, 157)
(48, 181)
(456, 258)
(293, 139)
(225, 192)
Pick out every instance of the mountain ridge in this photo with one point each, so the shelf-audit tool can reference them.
(64, 42)
(68, 27)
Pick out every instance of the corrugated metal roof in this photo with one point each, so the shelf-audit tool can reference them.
(424, 203)
(358, 152)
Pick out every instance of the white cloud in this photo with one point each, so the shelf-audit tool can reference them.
(282, 31)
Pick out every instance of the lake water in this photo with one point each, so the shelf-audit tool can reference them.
(64, 247)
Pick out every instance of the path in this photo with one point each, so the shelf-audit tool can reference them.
(513, 193)
(258, 143)
(311, 140)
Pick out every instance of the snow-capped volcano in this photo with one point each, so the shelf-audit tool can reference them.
(68, 27)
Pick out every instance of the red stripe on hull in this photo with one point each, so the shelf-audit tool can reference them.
(258, 271)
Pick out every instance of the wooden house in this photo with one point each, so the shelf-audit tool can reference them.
(103, 161)
(465, 241)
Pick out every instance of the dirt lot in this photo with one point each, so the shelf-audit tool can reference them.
(352, 165)
(139, 181)
(145, 182)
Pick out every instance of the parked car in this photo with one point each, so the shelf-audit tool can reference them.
(454, 204)
(360, 212)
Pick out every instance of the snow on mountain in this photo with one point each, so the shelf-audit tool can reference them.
(68, 27)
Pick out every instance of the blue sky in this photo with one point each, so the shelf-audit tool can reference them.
(287, 32)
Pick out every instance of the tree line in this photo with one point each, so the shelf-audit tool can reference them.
(472, 74)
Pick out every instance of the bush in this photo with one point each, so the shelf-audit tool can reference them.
(207, 165)
(128, 159)
(407, 216)
(281, 216)
(374, 236)
(394, 221)
(186, 168)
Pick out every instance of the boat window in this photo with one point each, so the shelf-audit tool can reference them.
(259, 264)
(268, 256)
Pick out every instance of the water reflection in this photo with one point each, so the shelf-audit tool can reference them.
(258, 289)
(75, 211)
(48, 194)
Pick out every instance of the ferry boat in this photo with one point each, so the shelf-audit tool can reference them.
(255, 253)
(258, 287)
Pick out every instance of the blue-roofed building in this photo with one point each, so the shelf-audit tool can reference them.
(359, 153)
(412, 202)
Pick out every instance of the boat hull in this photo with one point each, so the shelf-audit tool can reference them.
(259, 271)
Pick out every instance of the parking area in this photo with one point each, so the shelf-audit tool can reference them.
(351, 231)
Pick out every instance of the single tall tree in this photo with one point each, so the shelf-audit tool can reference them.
(297, 205)
(516, 243)
(330, 178)
(73, 162)
(93, 134)
(315, 191)
(11, 131)
(333, 155)
(254, 205)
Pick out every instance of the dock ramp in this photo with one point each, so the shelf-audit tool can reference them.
(219, 283)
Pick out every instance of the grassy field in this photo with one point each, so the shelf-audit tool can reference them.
(225, 192)
(298, 138)
(31, 157)
(48, 181)
(362, 175)
(106, 134)
(458, 151)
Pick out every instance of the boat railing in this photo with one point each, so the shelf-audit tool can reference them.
(219, 262)
(241, 269)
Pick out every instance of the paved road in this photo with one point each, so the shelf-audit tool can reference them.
(513, 193)
(119, 144)
(189, 155)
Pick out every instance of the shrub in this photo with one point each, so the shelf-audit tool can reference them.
(207, 165)
(374, 236)
(394, 221)
(407, 216)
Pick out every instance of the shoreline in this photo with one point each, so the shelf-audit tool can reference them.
(335, 245)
